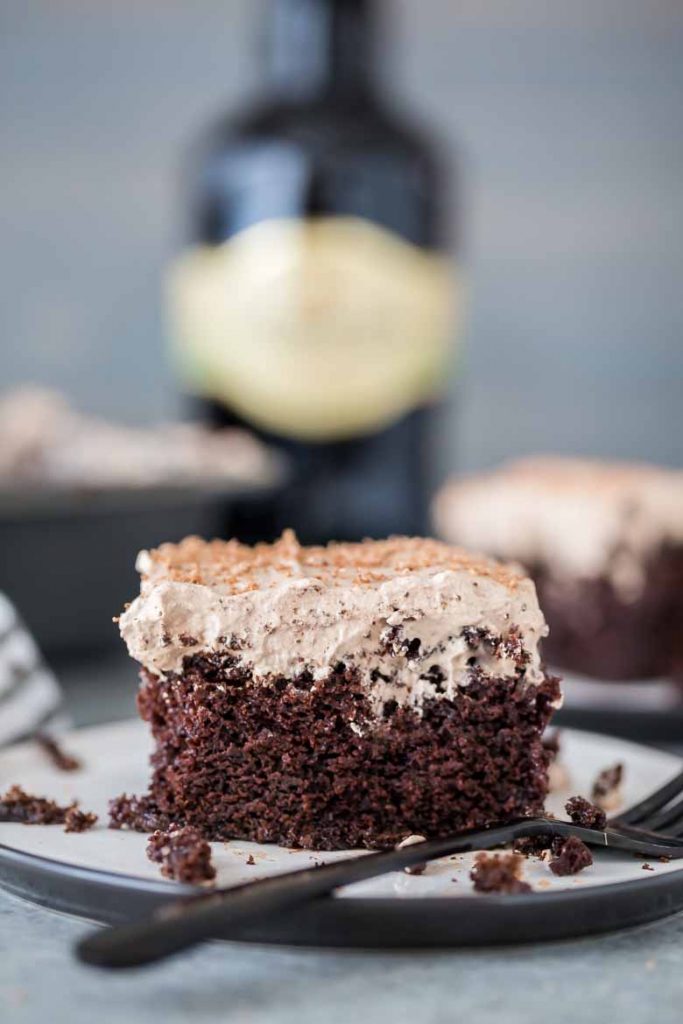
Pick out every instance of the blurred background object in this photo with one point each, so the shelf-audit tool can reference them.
(30, 698)
(569, 119)
(79, 496)
(603, 542)
(48, 445)
(312, 301)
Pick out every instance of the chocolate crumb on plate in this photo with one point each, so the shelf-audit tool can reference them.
(183, 853)
(584, 813)
(606, 791)
(23, 808)
(412, 869)
(533, 846)
(76, 820)
(647, 867)
(499, 873)
(573, 856)
(58, 756)
(18, 806)
(138, 813)
(250, 860)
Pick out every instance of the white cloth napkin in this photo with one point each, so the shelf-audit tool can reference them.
(29, 694)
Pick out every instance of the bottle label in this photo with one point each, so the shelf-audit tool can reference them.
(318, 330)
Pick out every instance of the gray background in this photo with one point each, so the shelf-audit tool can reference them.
(569, 122)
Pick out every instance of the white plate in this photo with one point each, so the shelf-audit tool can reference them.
(115, 761)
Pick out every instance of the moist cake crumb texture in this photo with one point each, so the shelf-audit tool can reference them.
(18, 806)
(499, 873)
(26, 809)
(571, 856)
(584, 813)
(184, 855)
(139, 814)
(76, 820)
(337, 697)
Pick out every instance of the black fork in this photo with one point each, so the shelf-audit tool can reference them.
(659, 815)
(652, 828)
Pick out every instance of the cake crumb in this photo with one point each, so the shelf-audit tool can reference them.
(19, 806)
(533, 846)
(498, 872)
(584, 813)
(137, 813)
(573, 856)
(606, 792)
(250, 860)
(26, 809)
(57, 755)
(647, 867)
(413, 869)
(76, 820)
(184, 855)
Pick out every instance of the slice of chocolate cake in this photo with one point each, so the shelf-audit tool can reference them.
(604, 545)
(340, 696)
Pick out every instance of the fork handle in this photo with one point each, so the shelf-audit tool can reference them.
(185, 922)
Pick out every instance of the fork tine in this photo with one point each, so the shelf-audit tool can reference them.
(667, 819)
(641, 812)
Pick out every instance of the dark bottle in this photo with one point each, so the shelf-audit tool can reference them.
(313, 304)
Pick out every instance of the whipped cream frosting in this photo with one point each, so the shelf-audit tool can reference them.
(575, 517)
(44, 442)
(395, 610)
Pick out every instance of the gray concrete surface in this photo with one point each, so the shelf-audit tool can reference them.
(633, 978)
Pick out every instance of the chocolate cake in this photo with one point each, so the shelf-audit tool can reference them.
(603, 543)
(337, 697)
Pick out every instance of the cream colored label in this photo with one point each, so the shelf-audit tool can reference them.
(320, 330)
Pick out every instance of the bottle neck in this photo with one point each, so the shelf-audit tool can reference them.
(321, 49)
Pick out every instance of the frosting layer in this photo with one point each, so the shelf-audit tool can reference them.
(575, 517)
(415, 617)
